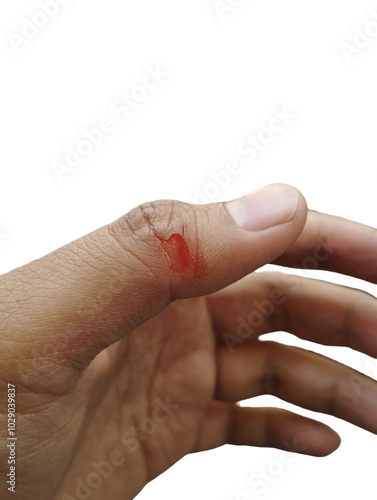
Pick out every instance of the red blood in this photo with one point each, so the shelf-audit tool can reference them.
(178, 254)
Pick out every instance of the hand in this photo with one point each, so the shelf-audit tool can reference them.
(126, 356)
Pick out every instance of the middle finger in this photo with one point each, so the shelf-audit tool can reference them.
(311, 309)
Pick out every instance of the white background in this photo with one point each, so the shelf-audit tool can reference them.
(225, 77)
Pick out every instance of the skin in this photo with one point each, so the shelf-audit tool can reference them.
(102, 337)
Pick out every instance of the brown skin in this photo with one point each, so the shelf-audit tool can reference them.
(94, 344)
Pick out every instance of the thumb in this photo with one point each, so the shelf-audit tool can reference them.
(92, 292)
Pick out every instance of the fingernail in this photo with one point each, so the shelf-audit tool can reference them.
(268, 207)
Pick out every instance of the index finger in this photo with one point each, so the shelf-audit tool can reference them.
(334, 244)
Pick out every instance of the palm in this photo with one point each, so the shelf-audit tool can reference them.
(169, 359)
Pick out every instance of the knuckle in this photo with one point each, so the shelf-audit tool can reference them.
(151, 219)
(158, 233)
(269, 379)
(138, 232)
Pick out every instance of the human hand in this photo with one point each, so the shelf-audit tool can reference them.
(126, 357)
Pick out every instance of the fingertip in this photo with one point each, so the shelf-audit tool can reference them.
(299, 218)
(321, 440)
(270, 206)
